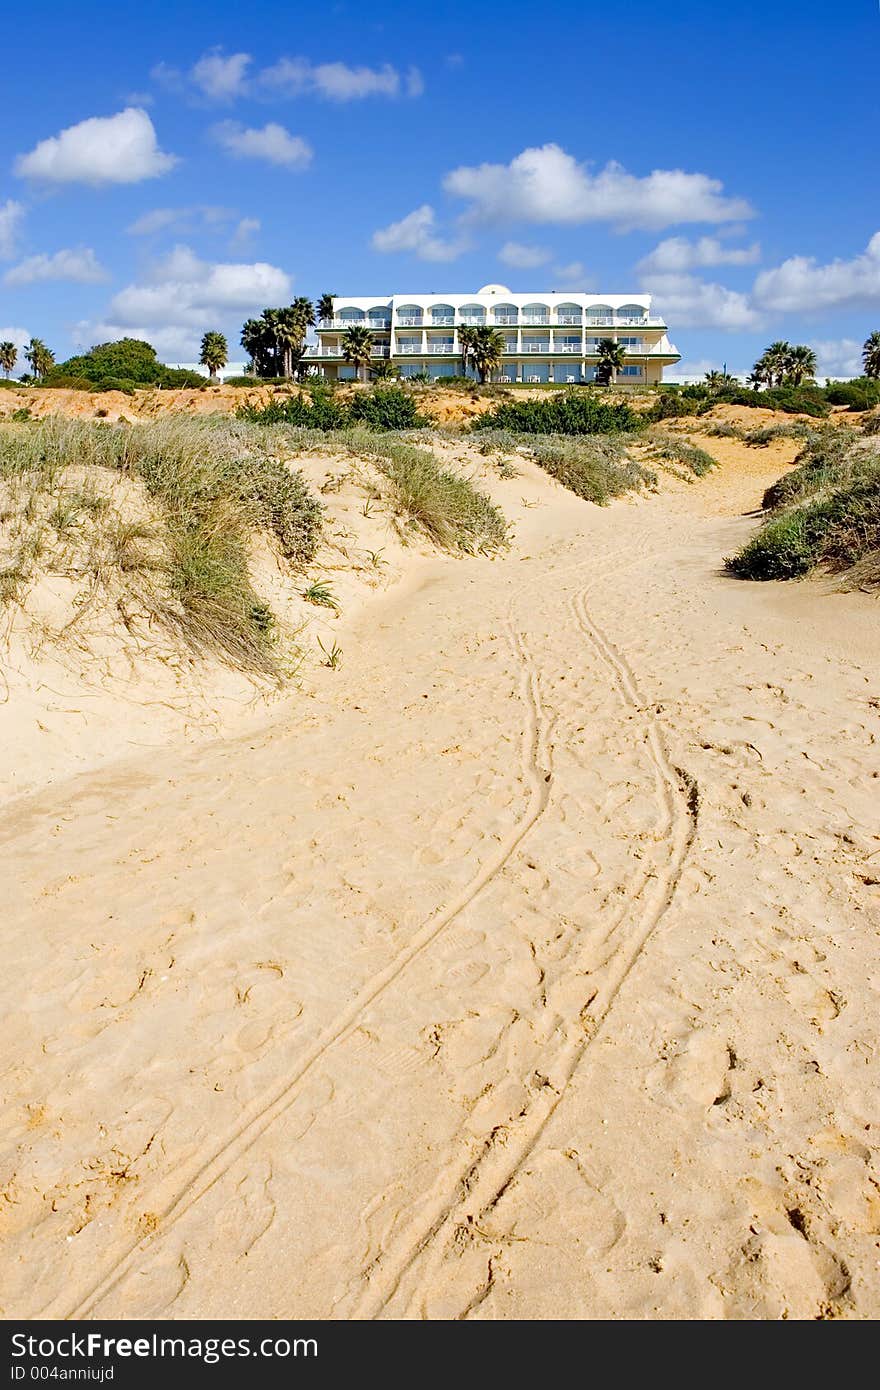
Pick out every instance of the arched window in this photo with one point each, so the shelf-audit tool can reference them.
(349, 314)
(506, 314)
(379, 316)
(410, 315)
(535, 313)
(599, 314)
(569, 314)
(472, 314)
(442, 315)
(632, 313)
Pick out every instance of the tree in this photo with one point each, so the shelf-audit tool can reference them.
(259, 342)
(324, 308)
(611, 354)
(719, 381)
(487, 351)
(871, 355)
(467, 338)
(385, 371)
(215, 353)
(291, 325)
(41, 358)
(9, 357)
(357, 346)
(802, 364)
(774, 364)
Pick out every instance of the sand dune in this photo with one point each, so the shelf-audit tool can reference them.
(524, 967)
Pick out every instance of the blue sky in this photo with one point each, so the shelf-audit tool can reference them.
(173, 168)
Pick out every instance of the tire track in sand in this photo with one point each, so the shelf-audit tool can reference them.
(202, 1173)
(466, 1194)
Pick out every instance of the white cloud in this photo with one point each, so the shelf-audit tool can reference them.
(180, 219)
(676, 253)
(11, 218)
(79, 266)
(103, 149)
(522, 257)
(417, 233)
(572, 276)
(247, 228)
(182, 296)
(294, 77)
(547, 185)
(272, 143)
(800, 284)
(20, 336)
(221, 78)
(688, 301)
(838, 357)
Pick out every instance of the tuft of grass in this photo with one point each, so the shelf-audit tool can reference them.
(669, 449)
(320, 593)
(333, 657)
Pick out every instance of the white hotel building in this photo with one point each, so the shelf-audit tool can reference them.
(548, 337)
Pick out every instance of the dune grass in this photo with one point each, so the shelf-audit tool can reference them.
(595, 467)
(441, 503)
(825, 514)
(672, 452)
(211, 483)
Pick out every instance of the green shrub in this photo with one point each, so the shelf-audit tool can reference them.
(569, 412)
(861, 394)
(670, 406)
(386, 408)
(318, 407)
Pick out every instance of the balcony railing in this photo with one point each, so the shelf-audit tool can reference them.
(446, 322)
(507, 320)
(407, 321)
(535, 321)
(322, 350)
(377, 324)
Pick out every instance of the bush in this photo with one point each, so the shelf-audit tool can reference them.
(386, 408)
(569, 412)
(319, 408)
(861, 394)
(670, 406)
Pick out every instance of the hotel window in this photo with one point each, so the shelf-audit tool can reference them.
(630, 371)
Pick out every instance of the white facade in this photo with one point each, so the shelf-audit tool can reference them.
(549, 337)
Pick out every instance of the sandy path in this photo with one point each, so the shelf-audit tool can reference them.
(528, 970)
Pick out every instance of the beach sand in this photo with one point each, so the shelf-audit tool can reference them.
(523, 967)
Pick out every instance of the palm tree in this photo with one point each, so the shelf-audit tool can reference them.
(487, 350)
(357, 346)
(215, 353)
(324, 308)
(611, 355)
(9, 357)
(385, 371)
(291, 326)
(871, 355)
(776, 360)
(259, 342)
(467, 338)
(802, 364)
(41, 358)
